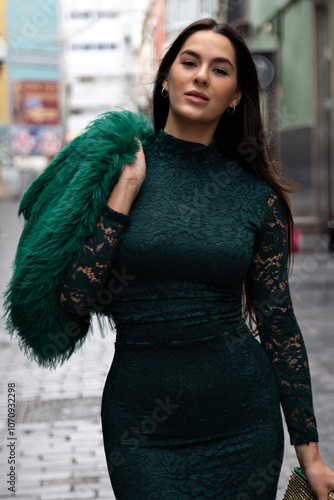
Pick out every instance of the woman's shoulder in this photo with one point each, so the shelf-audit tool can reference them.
(245, 177)
(249, 188)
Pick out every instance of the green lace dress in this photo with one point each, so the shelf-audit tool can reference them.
(191, 404)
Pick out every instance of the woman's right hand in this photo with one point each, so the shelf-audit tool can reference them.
(129, 183)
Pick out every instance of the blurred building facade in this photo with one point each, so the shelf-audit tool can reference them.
(100, 46)
(153, 42)
(180, 13)
(164, 20)
(32, 108)
(4, 109)
(30, 90)
(294, 41)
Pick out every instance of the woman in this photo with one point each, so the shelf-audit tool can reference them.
(191, 405)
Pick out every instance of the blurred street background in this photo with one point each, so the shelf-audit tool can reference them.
(62, 63)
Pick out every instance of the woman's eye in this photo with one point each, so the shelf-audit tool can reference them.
(188, 63)
(221, 71)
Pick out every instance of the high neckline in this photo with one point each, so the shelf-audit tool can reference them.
(166, 144)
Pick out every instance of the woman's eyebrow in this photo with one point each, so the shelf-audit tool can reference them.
(216, 59)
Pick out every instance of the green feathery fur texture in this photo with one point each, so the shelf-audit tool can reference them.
(61, 208)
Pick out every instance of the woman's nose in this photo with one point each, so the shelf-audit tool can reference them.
(201, 76)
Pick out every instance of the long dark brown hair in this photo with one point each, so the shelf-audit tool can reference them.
(245, 141)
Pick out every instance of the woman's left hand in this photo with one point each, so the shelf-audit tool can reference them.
(319, 476)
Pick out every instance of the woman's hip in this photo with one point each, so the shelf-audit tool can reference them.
(191, 391)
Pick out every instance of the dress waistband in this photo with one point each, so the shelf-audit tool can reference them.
(169, 335)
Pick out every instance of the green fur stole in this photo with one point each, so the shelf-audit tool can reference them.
(61, 208)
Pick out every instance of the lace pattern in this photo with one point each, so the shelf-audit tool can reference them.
(86, 278)
(277, 325)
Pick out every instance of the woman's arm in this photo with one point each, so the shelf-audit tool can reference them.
(283, 342)
(277, 325)
(81, 285)
(129, 184)
(319, 476)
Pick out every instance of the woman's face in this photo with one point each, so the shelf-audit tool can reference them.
(202, 81)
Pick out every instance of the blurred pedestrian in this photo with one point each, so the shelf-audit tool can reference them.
(192, 230)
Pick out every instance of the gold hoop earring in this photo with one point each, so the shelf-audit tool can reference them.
(162, 92)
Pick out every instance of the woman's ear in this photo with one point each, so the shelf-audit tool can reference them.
(237, 98)
(165, 84)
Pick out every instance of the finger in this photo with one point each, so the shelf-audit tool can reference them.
(140, 144)
(322, 495)
(140, 151)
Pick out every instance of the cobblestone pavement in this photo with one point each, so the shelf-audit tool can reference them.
(59, 447)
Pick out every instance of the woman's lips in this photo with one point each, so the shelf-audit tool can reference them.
(196, 99)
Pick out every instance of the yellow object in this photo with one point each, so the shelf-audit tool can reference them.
(299, 489)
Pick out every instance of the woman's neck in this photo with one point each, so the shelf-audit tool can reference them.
(200, 133)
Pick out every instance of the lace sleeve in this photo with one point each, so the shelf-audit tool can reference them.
(80, 287)
(278, 328)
